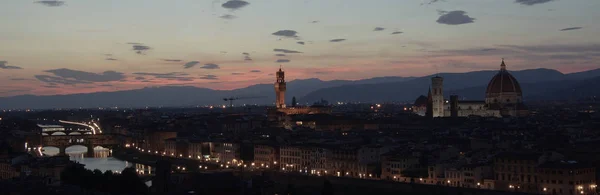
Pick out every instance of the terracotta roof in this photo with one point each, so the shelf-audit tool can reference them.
(421, 101)
(503, 82)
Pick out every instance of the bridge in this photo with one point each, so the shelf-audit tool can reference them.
(62, 142)
(70, 128)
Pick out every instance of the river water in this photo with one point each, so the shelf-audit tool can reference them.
(102, 159)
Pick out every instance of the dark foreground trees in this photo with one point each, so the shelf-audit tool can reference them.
(127, 182)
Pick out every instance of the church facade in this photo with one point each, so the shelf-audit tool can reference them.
(503, 97)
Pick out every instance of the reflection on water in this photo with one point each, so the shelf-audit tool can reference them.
(102, 159)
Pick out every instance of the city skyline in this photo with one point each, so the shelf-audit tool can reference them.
(64, 47)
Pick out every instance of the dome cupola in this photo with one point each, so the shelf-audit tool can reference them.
(503, 88)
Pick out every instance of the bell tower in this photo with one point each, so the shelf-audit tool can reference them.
(280, 87)
(437, 88)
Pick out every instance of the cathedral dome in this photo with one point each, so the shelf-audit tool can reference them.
(503, 83)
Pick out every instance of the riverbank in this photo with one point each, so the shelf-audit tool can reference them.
(134, 156)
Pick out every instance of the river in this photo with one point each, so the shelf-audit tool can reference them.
(102, 159)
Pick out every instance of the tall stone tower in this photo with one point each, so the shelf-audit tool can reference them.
(280, 88)
(437, 88)
(429, 111)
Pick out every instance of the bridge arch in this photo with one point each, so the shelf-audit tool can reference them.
(57, 133)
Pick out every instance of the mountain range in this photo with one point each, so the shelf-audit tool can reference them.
(537, 84)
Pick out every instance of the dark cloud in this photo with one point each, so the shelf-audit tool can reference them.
(532, 2)
(282, 61)
(431, 2)
(531, 53)
(139, 48)
(106, 85)
(247, 58)
(300, 42)
(134, 43)
(585, 48)
(209, 77)
(397, 32)
(569, 56)
(59, 80)
(314, 21)
(51, 3)
(107, 54)
(171, 60)
(237, 73)
(378, 29)
(286, 33)
(455, 18)
(111, 59)
(572, 28)
(161, 75)
(489, 49)
(70, 77)
(106, 76)
(184, 79)
(279, 54)
(210, 66)
(14, 91)
(4, 66)
(246, 54)
(228, 17)
(50, 86)
(255, 71)
(337, 40)
(177, 76)
(140, 78)
(234, 4)
(285, 51)
(19, 79)
(223, 52)
(190, 64)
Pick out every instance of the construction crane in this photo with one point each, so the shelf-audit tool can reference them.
(231, 99)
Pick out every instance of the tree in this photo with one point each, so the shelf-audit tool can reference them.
(294, 101)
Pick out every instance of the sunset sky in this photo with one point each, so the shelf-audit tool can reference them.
(81, 46)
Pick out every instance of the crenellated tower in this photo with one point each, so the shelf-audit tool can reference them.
(280, 87)
(437, 88)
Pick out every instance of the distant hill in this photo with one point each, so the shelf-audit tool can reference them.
(536, 84)
(172, 96)
(470, 85)
(583, 89)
